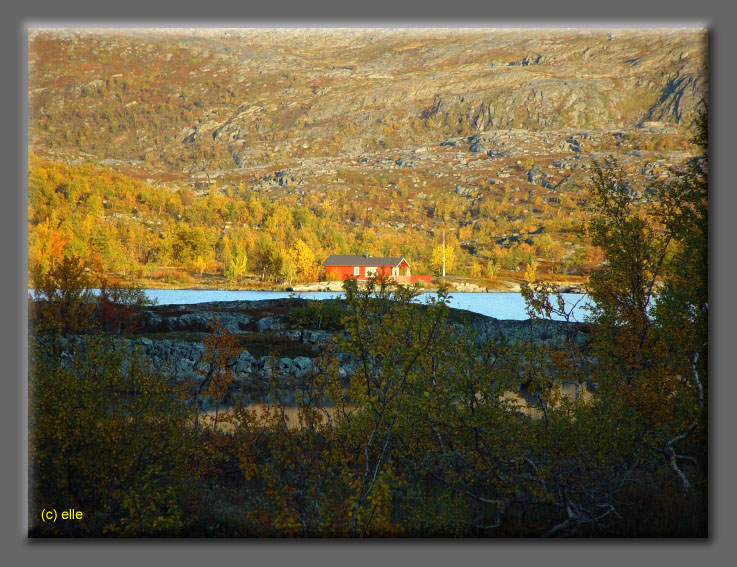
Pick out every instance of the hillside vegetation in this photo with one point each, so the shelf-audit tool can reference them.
(233, 157)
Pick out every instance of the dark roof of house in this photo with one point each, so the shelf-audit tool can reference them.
(361, 261)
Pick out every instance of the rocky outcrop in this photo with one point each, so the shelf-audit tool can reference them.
(542, 332)
(172, 339)
(197, 321)
(535, 175)
(268, 320)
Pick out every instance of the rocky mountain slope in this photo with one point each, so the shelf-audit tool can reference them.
(175, 102)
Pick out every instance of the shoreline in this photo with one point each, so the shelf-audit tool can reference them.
(515, 289)
(337, 287)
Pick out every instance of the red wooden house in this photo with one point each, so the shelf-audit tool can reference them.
(363, 267)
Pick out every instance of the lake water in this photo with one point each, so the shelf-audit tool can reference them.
(499, 305)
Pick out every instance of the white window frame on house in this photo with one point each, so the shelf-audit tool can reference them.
(395, 271)
(356, 271)
(371, 271)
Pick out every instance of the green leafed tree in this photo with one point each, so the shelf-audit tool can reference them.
(64, 301)
(237, 265)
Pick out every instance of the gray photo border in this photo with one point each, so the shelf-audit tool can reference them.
(716, 15)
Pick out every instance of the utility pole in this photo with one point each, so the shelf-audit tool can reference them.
(443, 252)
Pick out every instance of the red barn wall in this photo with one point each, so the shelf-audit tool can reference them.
(343, 272)
(339, 272)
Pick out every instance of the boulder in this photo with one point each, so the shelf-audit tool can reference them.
(481, 143)
(302, 365)
(286, 366)
(269, 324)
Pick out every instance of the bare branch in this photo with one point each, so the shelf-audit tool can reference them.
(669, 449)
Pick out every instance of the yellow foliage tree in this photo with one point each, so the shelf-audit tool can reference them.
(436, 260)
(304, 260)
(200, 265)
(531, 272)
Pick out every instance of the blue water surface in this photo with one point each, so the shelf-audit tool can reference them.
(499, 305)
